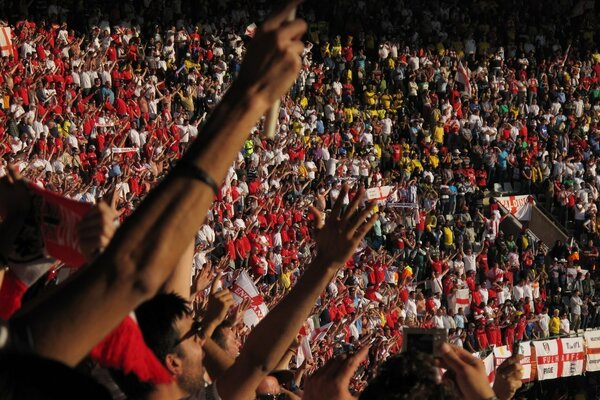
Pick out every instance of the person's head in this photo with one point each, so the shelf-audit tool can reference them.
(225, 337)
(268, 389)
(172, 334)
(410, 375)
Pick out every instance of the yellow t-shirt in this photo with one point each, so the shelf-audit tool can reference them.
(285, 279)
(438, 134)
(377, 149)
(369, 97)
(417, 164)
(554, 326)
(304, 102)
(448, 236)
(386, 101)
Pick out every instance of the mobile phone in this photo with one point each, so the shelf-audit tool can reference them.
(423, 340)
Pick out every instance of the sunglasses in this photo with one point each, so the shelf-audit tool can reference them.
(195, 330)
(279, 396)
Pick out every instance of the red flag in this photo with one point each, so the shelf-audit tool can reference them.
(124, 349)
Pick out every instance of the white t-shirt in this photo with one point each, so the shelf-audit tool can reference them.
(470, 262)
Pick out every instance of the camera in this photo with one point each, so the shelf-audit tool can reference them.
(423, 340)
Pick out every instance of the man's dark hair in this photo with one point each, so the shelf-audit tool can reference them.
(156, 319)
(407, 376)
(218, 337)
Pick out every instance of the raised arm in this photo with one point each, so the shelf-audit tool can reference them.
(336, 242)
(67, 322)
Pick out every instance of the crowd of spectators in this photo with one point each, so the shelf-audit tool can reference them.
(381, 101)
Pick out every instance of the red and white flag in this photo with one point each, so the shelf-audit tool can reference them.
(379, 193)
(462, 76)
(244, 288)
(462, 301)
(572, 355)
(250, 30)
(488, 362)
(490, 369)
(304, 352)
(592, 343)
(6, 48)
(519, 206)
(59, 219)
(548, 359)
(526, 362)
(319, 333)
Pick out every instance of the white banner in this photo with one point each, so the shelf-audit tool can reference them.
(592, 342)
(501, 353)
(548, 359)
(489, 367)
(379, 193)
(462, 300)
(519, 206)
(525, 350)
(488, 362)
(402, 205)
(304, 352)
(244, 288)
(121, 150)
(572, 354)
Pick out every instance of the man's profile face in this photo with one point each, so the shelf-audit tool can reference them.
(232, 343)
(190, 375)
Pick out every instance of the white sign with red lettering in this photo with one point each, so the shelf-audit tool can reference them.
(592, 343)
(548, 359)
(519, 206)
(572, 354)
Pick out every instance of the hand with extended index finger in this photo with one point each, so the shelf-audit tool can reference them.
(338, 237)
(333, 379)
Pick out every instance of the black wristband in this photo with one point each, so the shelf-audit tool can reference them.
(195, 172)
